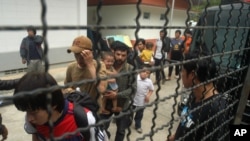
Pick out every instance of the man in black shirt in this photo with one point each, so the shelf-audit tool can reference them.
(204, 116)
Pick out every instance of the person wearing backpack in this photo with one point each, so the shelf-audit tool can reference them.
(62, 115)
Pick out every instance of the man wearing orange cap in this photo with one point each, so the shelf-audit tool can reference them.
(85, 67)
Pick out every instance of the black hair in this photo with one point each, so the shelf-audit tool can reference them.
(163, 31)
(146, 67)
(34, 80)
(179, 31)
(205, 69)
(31, 28)
(188, 31)
(120, 46)
(141, 40)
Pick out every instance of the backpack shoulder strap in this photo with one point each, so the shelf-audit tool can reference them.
(82, 104)
(81, 119)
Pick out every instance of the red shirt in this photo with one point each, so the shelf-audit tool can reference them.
(66, 123)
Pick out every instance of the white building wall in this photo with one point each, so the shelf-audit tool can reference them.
(126, 14)
(28, 12)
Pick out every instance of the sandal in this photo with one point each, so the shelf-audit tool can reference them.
(168, 79)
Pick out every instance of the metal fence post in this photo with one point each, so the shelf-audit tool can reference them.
(243, 98)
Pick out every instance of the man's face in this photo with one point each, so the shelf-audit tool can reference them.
(79, 59)
(140, 46)
(188, 35)
(177, 35)
(37, 117)
(120, 57)
(161, 35)
(30, 33)
(187, 78)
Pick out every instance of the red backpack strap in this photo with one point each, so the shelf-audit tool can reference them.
(70, 108)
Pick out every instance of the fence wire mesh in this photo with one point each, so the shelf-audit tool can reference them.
(223, 29)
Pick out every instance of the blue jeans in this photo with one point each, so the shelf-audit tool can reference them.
(121, 123)
(138, 117)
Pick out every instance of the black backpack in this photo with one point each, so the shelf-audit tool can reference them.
(83, 100)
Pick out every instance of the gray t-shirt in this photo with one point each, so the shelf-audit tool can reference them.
(143, 86)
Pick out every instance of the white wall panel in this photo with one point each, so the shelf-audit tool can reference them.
(28, 12)
(126, 14)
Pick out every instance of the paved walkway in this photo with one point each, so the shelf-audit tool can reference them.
(14, 119)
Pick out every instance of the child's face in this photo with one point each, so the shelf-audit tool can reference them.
(37, 117)
(144, 74)
(109, 61)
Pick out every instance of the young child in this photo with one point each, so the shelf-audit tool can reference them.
(147, 54)
(108, 59)
(144, 90)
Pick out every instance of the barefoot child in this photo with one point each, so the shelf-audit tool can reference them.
(108, 59)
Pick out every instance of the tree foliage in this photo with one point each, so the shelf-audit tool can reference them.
(197, 6)
(202, 4)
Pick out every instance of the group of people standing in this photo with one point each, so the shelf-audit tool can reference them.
(115, 95)
(166, 50)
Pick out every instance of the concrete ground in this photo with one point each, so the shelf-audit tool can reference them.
(14, 119)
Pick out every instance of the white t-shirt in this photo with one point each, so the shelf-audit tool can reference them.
(143, 86)
(158, 53)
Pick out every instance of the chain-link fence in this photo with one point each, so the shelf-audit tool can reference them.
(221, 35)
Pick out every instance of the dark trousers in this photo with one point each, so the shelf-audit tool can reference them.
(159, 73)
(138, 118)
(170, 70)
(121, 124)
